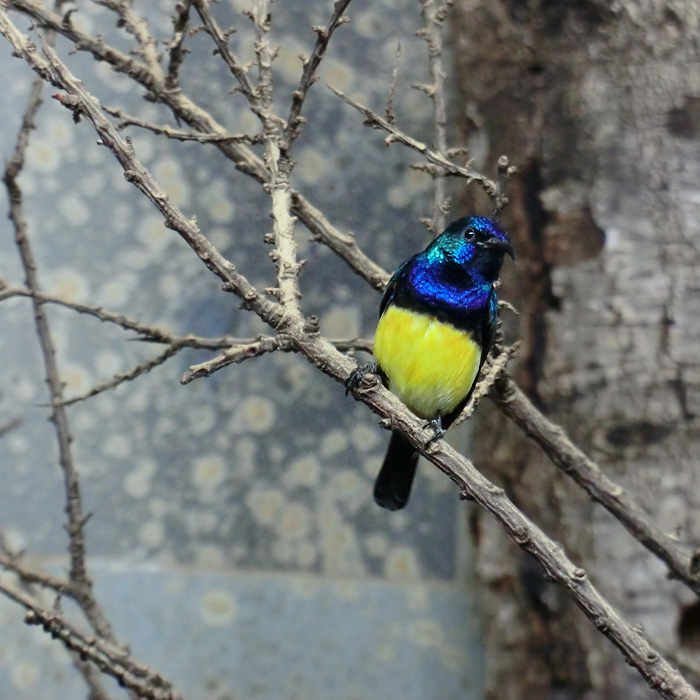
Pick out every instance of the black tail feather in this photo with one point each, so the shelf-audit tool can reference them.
(393, 485)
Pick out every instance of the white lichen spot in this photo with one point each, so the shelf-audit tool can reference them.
(341, 553)
(67, 284)
(218, 607)
(295, 522)
(341, 322)
(288, 62)
(24, 390)
(152, 233)
(117, 445)
(334, 442)
(219, 204)
(364, 437)
(265, 504)
(347, 590)
(348, 488)
(169, 286)
(208, 472)
(371, 465)
(76, 379)
(377, 545)
(209, 556)
(24, 674)
(169, 175)
(425, 633)
(369, 25)
(306, 554)
(312, 166)
(401, 565)
(337, 73)
(417, 598)
(42, 156)
(17, 444)
(74, 210)
(108, 362)
(256, 414)
(220, 237)
(303, 472)
(137, 484)
(201, 419)
(453, 659)
(117, 290)
(152, 534)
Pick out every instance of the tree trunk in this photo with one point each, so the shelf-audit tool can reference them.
(598, 105)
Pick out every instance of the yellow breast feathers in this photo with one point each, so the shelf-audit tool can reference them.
(431, 365)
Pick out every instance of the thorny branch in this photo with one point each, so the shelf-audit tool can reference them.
(285, 316)
(80, 580)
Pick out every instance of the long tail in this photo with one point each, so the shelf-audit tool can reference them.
(393, 485)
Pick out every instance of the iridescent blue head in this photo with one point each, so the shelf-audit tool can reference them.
(475, 243)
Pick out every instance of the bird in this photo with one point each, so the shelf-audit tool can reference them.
(437, 320)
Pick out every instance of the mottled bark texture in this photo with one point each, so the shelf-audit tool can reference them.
(598, 104)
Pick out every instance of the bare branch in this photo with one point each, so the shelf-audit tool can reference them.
(234, 355)
(109, 659)
(433, 19)
(435, 158)
(309, 77)
(238, 70)
(76, 518)
(491, 371)
(389, 109)
(177, 135)
(587, 474)
(122, 377)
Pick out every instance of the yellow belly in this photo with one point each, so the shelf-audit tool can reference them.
(431, 366)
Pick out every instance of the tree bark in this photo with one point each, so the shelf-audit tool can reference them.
(598, 105)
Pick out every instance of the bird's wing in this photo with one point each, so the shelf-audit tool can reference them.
(488, 328)
(391, 287)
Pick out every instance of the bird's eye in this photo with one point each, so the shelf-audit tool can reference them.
(469, 234)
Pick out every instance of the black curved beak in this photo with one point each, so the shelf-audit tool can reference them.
(498, 244)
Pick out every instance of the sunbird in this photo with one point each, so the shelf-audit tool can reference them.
(437, 319)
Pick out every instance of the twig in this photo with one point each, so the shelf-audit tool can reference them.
(585, 472)
(109, 659)
(433, 157)
(433, 19)
(138, 28)
(175, 46)
(389, 109)
(238, 70)
(245, 350)
(505, 172)
(122, 377)
(76, 518)
(235, 354)
(309, 77)
(489, 374)
(177, 135)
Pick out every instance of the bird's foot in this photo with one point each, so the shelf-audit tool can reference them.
(358, 374)
(438, 430)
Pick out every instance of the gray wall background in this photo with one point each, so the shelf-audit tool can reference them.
(234, 540)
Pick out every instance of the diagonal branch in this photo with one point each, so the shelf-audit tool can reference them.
(434, 157)
(587, 474)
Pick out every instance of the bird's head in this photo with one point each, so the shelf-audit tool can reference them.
(475, 243)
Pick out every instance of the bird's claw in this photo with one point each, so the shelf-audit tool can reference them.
(358, 374)
(438, 430)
